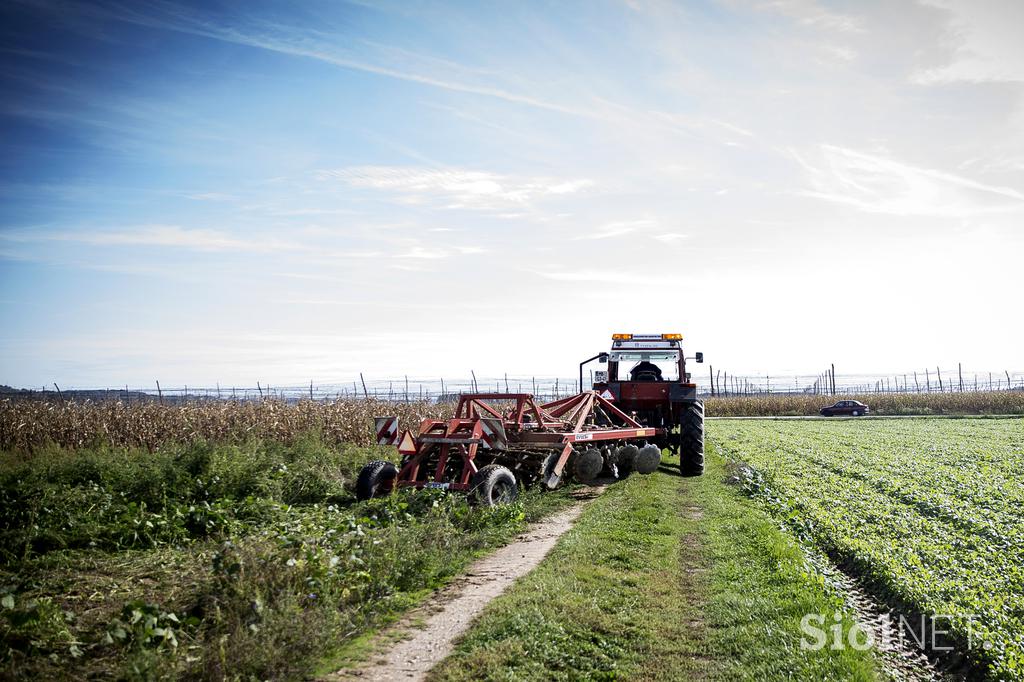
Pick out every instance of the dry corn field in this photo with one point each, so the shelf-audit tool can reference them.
(26, 425)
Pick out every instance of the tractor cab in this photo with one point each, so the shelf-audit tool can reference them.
(647, 376)
(646, 358)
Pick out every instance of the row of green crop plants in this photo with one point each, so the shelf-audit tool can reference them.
(781, 405)
(211, 561)
(928, 513)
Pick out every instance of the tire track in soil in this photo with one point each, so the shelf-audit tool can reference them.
(453, 609)
(899, 659)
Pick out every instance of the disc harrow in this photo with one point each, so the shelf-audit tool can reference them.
(499, 442)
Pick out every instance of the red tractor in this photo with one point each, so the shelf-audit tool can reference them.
(496, 443)
(647, 378)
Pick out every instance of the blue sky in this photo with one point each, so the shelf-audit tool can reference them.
(233, 192)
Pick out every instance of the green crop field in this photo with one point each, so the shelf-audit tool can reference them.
(930, 513)
(222, 540)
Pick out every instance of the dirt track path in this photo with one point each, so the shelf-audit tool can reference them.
(449, 613)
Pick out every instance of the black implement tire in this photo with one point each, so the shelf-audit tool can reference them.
(691, 439)
(372, 477)
(494, 485)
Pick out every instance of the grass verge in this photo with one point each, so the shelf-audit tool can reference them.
(662, 578)
(216, 561)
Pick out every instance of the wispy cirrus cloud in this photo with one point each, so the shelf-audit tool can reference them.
(454, 188)
(883, 185)
(158, 236)
(212, 196)
(203, 240)
(813, 14)
(299, 42)
(618, 229)
(608, 276)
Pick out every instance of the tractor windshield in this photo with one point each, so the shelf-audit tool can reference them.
(647, 365)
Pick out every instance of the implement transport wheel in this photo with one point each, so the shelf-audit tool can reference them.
(691, 440)
(376, 478)
(494, 485)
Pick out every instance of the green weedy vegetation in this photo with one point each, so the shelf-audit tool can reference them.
(215, 561)
(930, 513)
(661, 578)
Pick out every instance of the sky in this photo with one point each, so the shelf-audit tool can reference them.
(254, 191)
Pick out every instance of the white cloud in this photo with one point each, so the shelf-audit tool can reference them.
(811, 13)
(881, 185)
(276, 37)
(212, 196)
(609, 276)
(421, 253)
(987, 39)
(454, 188)
(171, 236)
(618, 229)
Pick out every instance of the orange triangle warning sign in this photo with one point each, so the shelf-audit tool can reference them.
(407, 446)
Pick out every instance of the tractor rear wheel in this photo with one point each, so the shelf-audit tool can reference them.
(494, 485)
(375, 478)
(691, 439)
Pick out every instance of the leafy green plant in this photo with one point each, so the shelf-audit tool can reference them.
(34, 626)
(144, 625)
(926, 511)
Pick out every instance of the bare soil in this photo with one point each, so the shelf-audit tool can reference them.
(429, 632)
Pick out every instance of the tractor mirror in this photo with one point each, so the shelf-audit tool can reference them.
(700, 357)
(602, 358)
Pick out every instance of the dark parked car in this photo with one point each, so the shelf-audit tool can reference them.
(853, 408)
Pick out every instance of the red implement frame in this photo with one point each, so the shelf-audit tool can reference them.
(556, 426)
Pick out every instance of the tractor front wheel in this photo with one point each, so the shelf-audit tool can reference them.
(494, 485)
(375, 478)
(691, 439)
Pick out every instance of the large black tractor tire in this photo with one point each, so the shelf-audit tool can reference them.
(494, 485)
(374, 479)
(691, 439)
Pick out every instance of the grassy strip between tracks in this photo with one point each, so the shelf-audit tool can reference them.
(662, 578)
